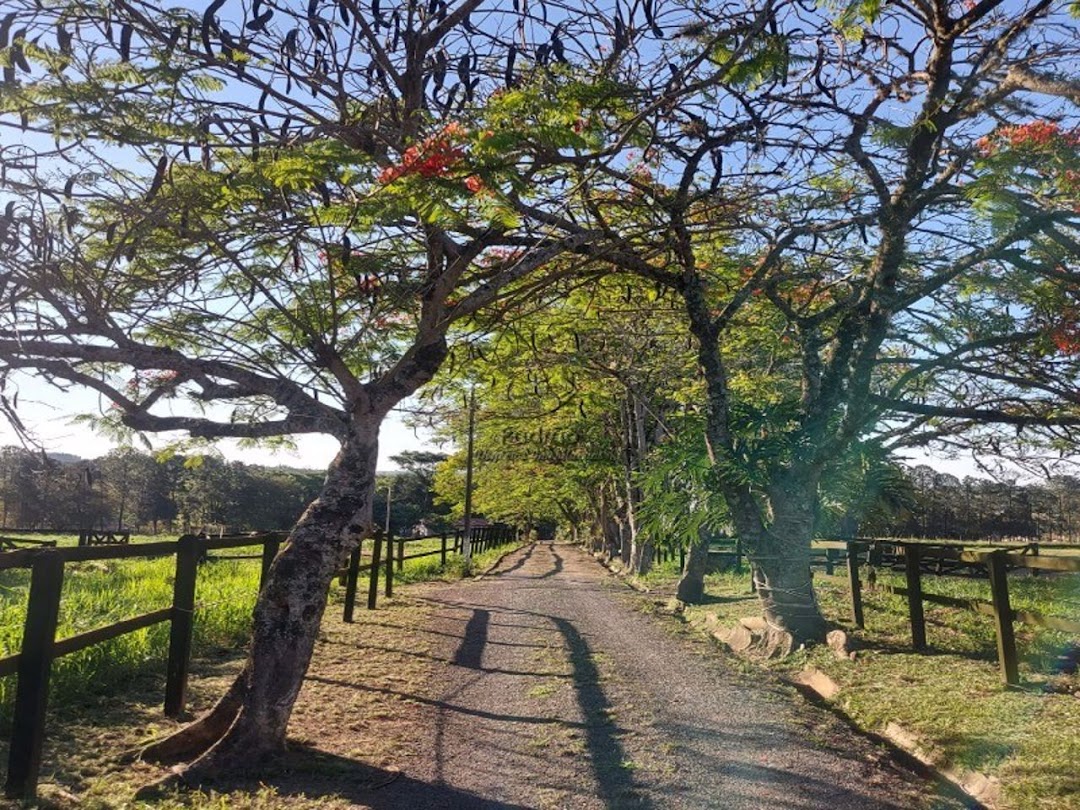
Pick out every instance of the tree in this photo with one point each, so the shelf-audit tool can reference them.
(895, 184)
(263, 221)
(572, 397)
(128, 478)
(412, 493)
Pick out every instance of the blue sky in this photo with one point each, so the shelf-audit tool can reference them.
(49, 413)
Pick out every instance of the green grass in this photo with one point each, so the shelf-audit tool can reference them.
(99, 593)
(952, 696)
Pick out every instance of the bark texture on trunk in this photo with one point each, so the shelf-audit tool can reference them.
(250, 722)
(786, 591)
(641, 554)
(691, 587)
(781, 556)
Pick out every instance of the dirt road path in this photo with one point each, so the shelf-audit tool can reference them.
(553, 689)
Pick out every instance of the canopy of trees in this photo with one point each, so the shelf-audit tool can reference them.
(127, 489)
(754, 247)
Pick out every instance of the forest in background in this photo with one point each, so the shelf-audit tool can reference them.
(130, 489)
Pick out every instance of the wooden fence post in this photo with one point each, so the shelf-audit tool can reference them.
(400, 553)
(269, 552)
(854, 584)
(35, 665)
(1003, 617)
(373, 579)
(389, 590)
(182, 624)
(828, 562)
(351, 575)
(912, 560)
(442, 550)
(682, 558)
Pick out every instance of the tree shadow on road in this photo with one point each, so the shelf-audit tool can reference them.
(470, 652)
(556, 569)
(607, 757)
(522, 560)
(307, 773)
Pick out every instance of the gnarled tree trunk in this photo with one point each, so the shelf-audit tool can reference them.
(786, 591)
(780, 554)
(249, 723)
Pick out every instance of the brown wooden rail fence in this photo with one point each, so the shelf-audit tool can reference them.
(918, 557)
(87, 537)
(388, 553)
(12, 543)
(33, 663)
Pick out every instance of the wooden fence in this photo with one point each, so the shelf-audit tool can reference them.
(384, 558)
(917, 557)
(12, 543)
(32, 665)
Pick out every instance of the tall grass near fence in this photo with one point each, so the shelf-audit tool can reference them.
(103, 592)
(970, 633)
(100, 593)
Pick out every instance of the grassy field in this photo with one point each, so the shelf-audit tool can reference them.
(952, 695)
(102, 592)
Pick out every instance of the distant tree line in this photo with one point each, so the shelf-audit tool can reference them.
(942, 505)
(129, 489)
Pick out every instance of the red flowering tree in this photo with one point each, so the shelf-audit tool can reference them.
(266, 217)
(888, 204)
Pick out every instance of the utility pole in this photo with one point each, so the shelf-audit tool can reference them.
(389, 496)
(466, 540)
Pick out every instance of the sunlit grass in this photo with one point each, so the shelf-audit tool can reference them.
(952, 696)
(99, 593)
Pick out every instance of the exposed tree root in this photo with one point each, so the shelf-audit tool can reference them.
(200, 735)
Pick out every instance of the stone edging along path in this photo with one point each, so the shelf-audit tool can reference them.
(984, 789)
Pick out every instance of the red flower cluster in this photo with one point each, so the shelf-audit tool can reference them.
(1066, 333)
(434, 156)
(475, 184)
(1036, 135)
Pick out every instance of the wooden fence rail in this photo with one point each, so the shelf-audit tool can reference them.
(996, 564)
(40, 647)
(919, 557)
(483, 539)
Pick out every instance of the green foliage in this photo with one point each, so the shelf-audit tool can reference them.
(127, 488)
(681, 499)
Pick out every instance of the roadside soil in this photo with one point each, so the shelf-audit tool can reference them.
(544, 684)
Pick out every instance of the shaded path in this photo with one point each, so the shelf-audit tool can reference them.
(552, 690)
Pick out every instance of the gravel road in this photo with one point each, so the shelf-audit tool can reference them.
(556, 690)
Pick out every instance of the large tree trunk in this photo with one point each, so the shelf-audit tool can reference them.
(641, 554)
(250, 722)
(781, 558)
(786, 591)
(691, 587)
